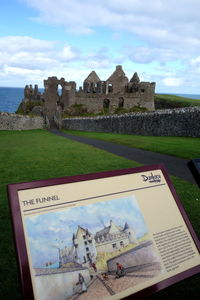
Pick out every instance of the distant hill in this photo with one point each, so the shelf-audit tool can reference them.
(172, 101)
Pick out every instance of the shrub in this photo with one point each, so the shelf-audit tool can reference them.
(26, 107)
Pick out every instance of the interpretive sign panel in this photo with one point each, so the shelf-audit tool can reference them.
(101, 236)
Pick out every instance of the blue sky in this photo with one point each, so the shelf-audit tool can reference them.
(159, 39)
(51, 230)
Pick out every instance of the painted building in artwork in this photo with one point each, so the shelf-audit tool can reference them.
(113, 237)
(86, 246)
(83, 248)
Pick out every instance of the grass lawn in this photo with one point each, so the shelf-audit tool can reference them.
(177, 98)
(184, 147)
(38, 154)
(174, 101)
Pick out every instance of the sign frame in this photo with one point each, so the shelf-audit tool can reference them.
(19, 235)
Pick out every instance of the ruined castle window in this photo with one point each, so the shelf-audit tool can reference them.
(92, 87)
(99, 87)
(121, 102)
(142, 90)
(95, 88)
(85, 243)
(110, 88)
(84, 259)
(87, 249)
(122, 243)
(84, 237)
(106, 103)
(59, 90)
(86, 87)
(114, 246)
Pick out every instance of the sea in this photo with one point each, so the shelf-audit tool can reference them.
(11, 97)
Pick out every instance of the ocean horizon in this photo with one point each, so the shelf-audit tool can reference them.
(11, 97)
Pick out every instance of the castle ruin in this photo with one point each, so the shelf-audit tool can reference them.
(95, 95)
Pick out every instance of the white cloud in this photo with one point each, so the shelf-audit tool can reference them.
(168, 30)
(29, 53)
(68, 53)
(24, 60)
(24, 64)
(13, 44)
(147, 55)
(20, 71)
(170, 22)
(160, 31)
(172, 81)
(195, 64)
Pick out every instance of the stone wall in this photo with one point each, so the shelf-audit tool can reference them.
(170, 122)
(58, 285)
(140, 255)
(96, 102)
(18, 122)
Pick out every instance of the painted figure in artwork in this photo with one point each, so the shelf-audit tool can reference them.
(94, 267)
(82, 283)
(120, 270)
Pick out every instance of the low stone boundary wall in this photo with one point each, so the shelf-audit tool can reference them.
(18, 122)
(140, 255)
(169, 122)
(59, 284)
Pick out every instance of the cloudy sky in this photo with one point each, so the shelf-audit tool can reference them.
(51, 230)
(159, 39)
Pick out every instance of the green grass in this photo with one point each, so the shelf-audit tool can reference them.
(177, 98)
(172, 101)
(34, 155)
(38, 154)
(184, 147)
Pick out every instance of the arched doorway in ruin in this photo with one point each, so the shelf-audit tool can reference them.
(106, 103)
(121, 102)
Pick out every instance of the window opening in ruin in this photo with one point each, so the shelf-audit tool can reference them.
(59, 90)
(110, 88)
(121, 102)
(142, 90)
(95, 88)
(86, 87)
(114, 246)
(92, 87)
